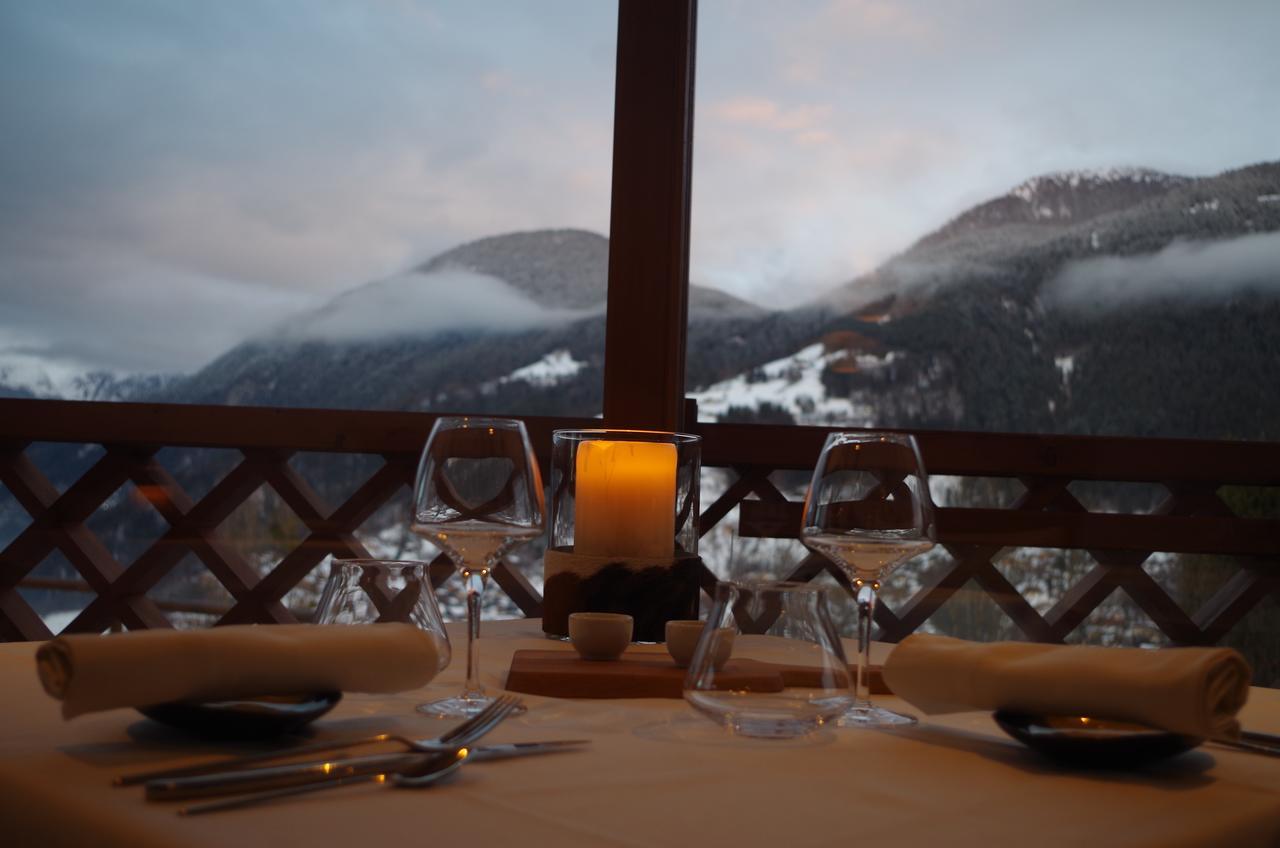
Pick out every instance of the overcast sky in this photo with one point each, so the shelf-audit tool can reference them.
(176, 176)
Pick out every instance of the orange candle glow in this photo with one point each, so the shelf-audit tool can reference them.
(625, 499)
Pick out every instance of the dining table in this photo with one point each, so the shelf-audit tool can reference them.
(656, 773)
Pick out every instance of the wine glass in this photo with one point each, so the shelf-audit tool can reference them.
(868, 510)
(477, 495)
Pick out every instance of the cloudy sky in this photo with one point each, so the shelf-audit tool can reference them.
(179, 175)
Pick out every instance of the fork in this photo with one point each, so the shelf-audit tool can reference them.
(462, 735)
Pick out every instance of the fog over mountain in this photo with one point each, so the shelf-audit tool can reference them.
(506, 323)
(566, 269)
(422, 303)
(1187, 270)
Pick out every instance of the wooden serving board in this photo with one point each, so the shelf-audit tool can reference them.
(642, 674)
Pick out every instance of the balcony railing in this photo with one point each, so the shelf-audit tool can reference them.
(1192, 519)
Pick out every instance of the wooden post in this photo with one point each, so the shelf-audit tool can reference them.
(649, 219)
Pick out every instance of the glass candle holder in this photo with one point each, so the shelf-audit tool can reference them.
(624, 528)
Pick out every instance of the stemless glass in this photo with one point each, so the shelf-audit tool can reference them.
(371, 591)
(868, 510)
(478, 494)
(797, 677)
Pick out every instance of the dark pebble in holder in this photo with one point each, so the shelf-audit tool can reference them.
(651, 594)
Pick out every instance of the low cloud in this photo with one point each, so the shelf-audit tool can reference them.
(903, 277)
(1200, 270)
(132, 315)
(418, 304)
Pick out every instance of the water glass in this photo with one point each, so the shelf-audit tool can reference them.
(371, 591)
(786, 675)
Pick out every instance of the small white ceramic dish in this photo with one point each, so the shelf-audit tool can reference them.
(682, 639)
(600, 636)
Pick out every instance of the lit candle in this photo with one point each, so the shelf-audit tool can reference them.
(625, 499)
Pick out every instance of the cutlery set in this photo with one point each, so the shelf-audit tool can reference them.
(259, 778)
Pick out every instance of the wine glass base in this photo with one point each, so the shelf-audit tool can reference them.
(459, 706)
(869, 716)
(771, 728)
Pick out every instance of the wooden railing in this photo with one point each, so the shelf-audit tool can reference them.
(1193, 518)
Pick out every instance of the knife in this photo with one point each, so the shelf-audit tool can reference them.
(1258, 743)
(297, 774)
(508, 750)
(1257, 737)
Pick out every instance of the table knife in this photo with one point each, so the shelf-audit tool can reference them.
(296, 774)
(1257, 737)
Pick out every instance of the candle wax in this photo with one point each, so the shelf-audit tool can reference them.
(625, 499)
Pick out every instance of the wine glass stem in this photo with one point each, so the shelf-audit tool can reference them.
(475, 580)
(866, 599)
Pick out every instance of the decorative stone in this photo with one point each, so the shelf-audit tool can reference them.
(651, 591)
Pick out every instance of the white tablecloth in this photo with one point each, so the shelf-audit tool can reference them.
(657, 775)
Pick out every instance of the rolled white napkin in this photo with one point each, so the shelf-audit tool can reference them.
(1192, 691)
(141, 668)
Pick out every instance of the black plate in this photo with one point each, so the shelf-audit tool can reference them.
(244, 718)
(1093, 742)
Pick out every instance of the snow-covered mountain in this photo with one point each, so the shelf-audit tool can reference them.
(24, 375)
(1063, 197)
(1040, 309)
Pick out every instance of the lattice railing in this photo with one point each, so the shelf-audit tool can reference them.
(1193, 519)
(265, 441)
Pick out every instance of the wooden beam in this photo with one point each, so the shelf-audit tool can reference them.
(649, 218)
(1084, 530)
(1170, 462)
(965, 453)
(236, 427)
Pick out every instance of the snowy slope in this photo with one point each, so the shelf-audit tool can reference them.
(25, 374)
(794, 383)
